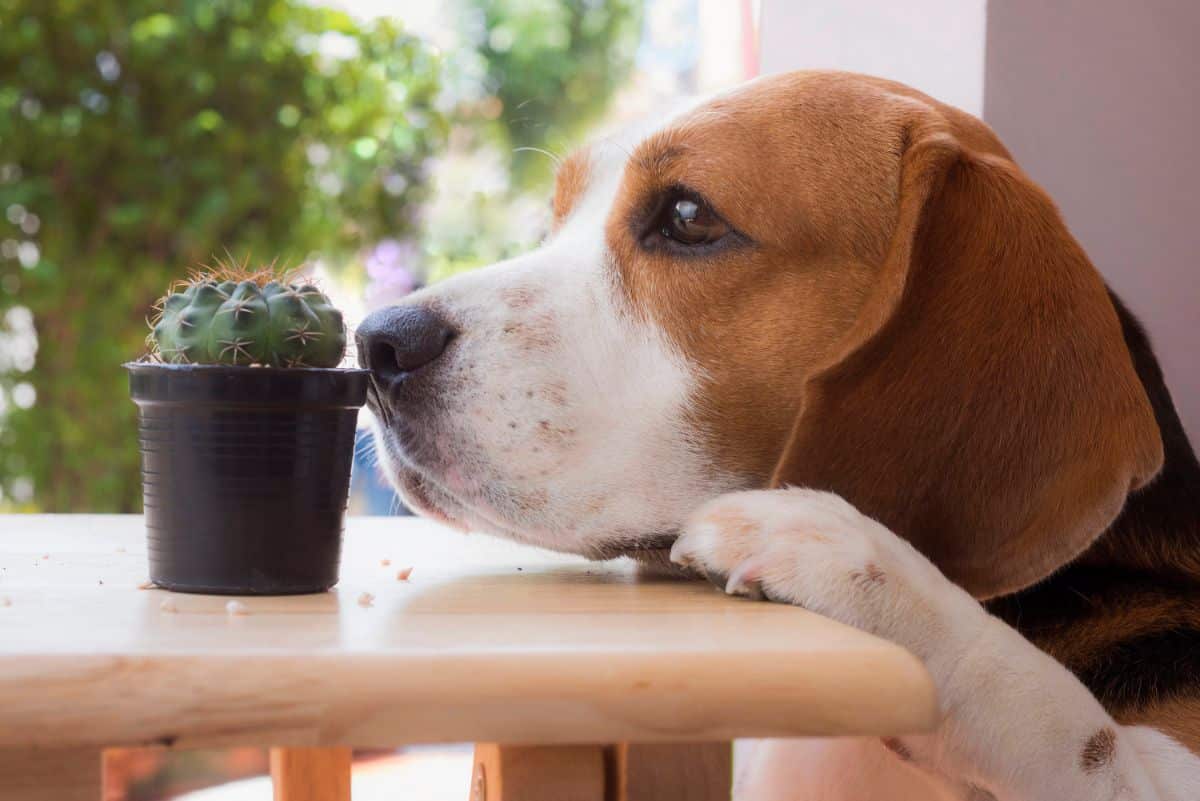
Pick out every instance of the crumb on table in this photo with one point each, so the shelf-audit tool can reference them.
(403, 573)
(385, 562)
(168, 605)
(236, 608)
(146, 585)
(366, 599)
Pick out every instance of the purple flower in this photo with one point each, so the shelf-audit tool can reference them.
(391, 266)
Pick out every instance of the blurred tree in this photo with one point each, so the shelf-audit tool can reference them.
(139, 138)
(538, 75)
(552, 65)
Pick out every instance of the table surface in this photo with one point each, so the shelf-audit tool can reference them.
(485, 641)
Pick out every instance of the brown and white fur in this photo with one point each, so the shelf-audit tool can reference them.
(887, 386)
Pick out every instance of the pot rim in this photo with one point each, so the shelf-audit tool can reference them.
(151, 367)
(247, 388)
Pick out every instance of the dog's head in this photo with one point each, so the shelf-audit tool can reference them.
(818, 279)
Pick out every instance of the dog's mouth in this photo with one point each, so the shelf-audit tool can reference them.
(430, 499)
(442, 475)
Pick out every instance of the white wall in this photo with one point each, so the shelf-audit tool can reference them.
(936, 46)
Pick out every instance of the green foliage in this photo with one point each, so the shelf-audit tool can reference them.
(242, 323)
(539, 75)
(137, 138)
(553, 65)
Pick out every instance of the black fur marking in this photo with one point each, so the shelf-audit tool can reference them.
(1143, 670)
(1161, 522)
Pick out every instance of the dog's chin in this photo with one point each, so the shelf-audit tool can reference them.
(419, 496)
(651, 553)
(429, 498)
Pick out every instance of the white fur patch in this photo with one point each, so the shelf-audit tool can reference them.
(560, 416)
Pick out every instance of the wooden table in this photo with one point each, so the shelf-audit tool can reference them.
(486, 641)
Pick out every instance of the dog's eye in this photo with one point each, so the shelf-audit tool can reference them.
(689, 221)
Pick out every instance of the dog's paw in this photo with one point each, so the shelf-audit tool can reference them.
(811, 549)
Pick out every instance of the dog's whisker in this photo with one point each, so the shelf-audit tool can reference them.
(552, 156)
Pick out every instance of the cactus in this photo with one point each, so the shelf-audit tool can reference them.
(214, 320)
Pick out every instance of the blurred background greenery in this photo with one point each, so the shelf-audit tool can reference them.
(140, 138)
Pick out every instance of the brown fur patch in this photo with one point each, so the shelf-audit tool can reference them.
(811, 535)
(518, 297)
(1179, 718)
(537, 332)
(730, 521)
(595, 504)
(569, 183)
(888, 235)
(555, 393)
(1034, 488)
(869, 577)
(1098, 751)
(533, 500)
(897, 747)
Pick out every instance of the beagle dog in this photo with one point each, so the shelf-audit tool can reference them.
(820, 339)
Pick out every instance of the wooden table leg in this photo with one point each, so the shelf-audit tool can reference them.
(49, 775)
(311, 774)
(538, 773)
(678, 771)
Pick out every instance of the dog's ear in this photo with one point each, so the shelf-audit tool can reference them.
(983, 405)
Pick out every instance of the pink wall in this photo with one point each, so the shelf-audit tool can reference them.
(1099, 100)
(933, 45)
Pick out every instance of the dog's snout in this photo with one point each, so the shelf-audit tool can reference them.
(401, 339)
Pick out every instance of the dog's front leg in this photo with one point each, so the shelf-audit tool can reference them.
(1016, 725)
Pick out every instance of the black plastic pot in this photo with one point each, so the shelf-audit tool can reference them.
(245, 474)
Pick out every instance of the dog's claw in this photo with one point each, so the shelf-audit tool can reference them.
(745, 581)
(680, 555)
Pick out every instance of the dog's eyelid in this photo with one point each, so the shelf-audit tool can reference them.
(677, 192)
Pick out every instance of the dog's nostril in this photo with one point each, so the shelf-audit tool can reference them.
(382, 353)
(401, 339)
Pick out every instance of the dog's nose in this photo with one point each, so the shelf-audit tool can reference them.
(400, 339)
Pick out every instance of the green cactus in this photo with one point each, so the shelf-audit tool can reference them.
(240, 323)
